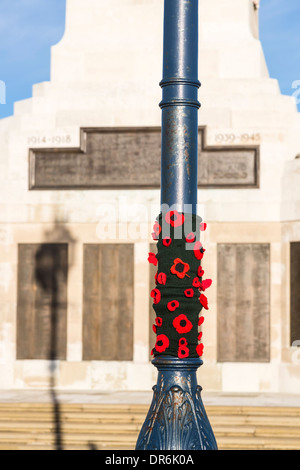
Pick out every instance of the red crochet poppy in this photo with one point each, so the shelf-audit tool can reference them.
(205, 284)
(156, 295)
(182, 342)
(200, 272)
(162, 278)
(203, 301)
(183, 352)
(189, 293)
(156, 231)
(173, 305)
(167, 241)
(154, 328)
(200, 336)
(201, 321)
(162, 343)
(180, 268)
(199, 250)
(174, 218)
(158, 321)
(182, 324)
(196, 282)
(152, 259)
(203, 226)
(190, 238)
(199, 349)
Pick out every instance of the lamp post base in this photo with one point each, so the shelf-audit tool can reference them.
(176, 419)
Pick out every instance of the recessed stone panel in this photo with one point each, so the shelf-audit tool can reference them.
(130, 158)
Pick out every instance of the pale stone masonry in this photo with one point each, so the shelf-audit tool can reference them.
(105, 74)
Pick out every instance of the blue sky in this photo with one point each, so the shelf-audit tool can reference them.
(28, 28)
(280, 37)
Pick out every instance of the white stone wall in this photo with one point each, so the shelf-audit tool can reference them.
(105, 73)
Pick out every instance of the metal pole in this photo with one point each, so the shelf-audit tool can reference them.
(179, 159)
(177, 419)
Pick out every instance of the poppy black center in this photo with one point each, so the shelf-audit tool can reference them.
(159, 343)
(180, 267)
(182, 323)
(173, 217)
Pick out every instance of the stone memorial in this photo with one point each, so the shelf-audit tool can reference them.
(85, 148)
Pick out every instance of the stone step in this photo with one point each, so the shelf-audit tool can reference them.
(31, 426)
(141, 409)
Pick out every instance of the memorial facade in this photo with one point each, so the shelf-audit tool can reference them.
(80, 178)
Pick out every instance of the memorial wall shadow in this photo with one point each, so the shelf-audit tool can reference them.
(53, 260)
(51, 274)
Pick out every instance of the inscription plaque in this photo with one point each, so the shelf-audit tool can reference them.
(295, 291)
(42, 301)
(243, 302)
(130, 158)
(108, 302)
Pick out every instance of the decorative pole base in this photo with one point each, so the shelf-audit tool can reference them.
(176, 419)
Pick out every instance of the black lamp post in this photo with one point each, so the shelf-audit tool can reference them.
(177, 419)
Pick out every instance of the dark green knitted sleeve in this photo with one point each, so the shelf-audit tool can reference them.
(178, 298)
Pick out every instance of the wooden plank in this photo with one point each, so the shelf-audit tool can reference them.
(91, 300)
(130, 158)
(124, 346)
(108, 302)
(42, 301)
(243, 301)
(295, 292)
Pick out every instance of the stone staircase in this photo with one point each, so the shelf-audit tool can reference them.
(32, 426)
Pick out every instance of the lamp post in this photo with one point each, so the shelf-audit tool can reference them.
(177, 419)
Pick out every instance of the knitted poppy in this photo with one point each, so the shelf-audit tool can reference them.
(182, 324)
(201, 321)
(200, 272)
(174, 218)
(152, 259)
(162, 343)
(167, 241)
(205, 284)
(162, 278)
(203, 226)
(200, 336)
(158, 321)
(199, 250)
(190, 238)
(156, 295)
(203, 301)
(182, 342)
(196, 282)
(183, 352)
(156, 231)
(199, 349)
(189, 293)
(173, 305)
(180, 268)
(154, 329)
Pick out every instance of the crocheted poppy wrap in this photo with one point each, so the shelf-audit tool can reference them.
(178, 298)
